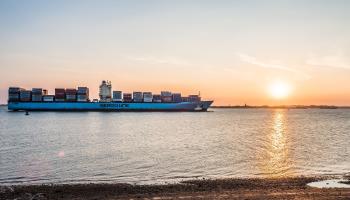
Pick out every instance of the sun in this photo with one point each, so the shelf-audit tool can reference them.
(279, 89)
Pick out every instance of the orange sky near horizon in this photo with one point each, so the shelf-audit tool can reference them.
(222, 91)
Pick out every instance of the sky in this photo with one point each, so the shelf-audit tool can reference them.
(230, 51)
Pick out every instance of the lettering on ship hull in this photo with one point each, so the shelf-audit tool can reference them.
(112, 105)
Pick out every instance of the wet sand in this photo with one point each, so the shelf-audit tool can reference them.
(277, 188)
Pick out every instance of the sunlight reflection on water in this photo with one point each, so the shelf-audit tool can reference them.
(276, 161)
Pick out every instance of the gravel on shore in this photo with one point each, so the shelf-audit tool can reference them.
(252, 188)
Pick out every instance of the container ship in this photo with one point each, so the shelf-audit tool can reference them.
(77, 99)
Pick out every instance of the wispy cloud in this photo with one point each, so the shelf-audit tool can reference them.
(333, 61)
(159, 60)
(254, 61)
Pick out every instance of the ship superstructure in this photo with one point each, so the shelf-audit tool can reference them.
(105, 91)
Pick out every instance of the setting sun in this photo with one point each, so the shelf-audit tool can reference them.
(279, 90)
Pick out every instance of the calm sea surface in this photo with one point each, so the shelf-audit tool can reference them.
(143, 148)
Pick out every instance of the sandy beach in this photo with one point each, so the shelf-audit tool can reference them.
(277, 188)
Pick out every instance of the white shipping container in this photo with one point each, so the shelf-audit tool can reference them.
(48, 98)
(137, 96)
(147, 99)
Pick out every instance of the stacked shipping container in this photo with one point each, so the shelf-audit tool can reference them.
(37, 94)
(60, 94)
(25, 95)
(157, 98)
(176, 97)
(147, 97)
(48, 98)
(14, 93)
(127, 97)
(194, 98)
(137, 96)
(83, 94)
(71, 94)
(166, 96)
(117, 96)
(185, 99)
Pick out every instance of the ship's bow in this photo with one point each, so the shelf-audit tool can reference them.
(204, 105)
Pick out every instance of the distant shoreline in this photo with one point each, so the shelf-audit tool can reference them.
(251, 188)
(286, 107)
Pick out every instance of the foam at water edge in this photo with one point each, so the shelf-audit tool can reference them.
(334, 183)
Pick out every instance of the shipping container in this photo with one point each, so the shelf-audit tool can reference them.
(83, 94)
(177, 97)
(71, 97)
(137, 96)
(83, 90)
(185, 99)
(48, 98)
(60, 91)
(14, 93)
(36, 97)
(167, 99)
(127, 97)
(14, 89)
(157, 98)
(82, 98)
(147, 97)
(194, 98)
(117, 96)
(60, 94)
(25, 95)
(59, 99)
(37, 91)
(71, 91)
(165, 94)
(14, 96)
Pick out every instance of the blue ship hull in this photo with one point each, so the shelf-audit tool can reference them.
(108, 106)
